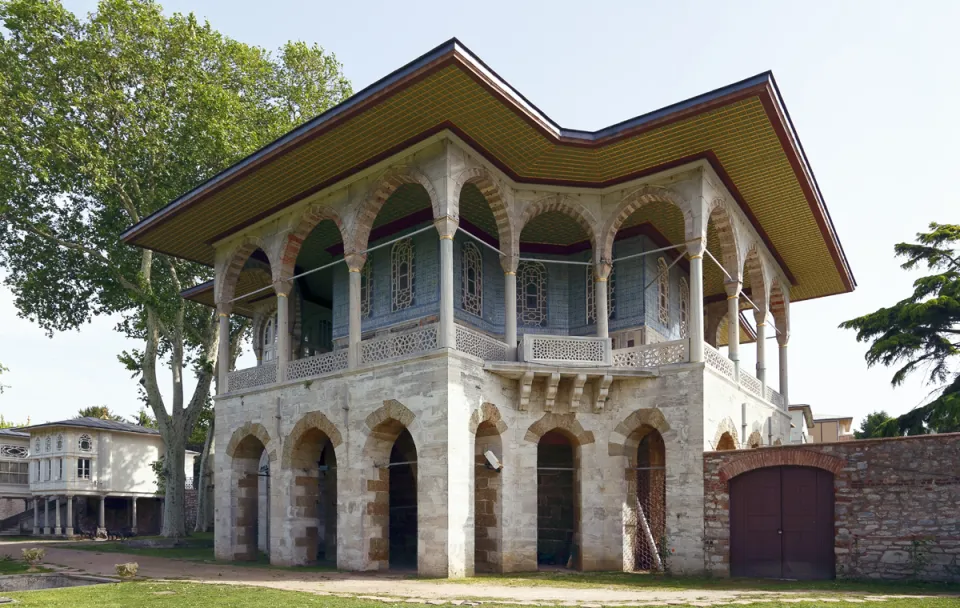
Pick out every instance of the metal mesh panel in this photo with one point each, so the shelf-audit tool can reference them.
(650, 539)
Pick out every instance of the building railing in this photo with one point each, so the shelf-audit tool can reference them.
(412, 341)
(481, 345)
(653, 355)
(566, 350)
(324, 363)
(750, 383)
(251, 377)
(717, 361)
(775, 398)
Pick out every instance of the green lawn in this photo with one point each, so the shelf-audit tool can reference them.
(194, 595)
(197, 547)
(14, 566)
(629, 581)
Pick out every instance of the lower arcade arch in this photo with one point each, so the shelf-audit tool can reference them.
(558, 501)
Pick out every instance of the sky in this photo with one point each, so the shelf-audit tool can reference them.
(872, 89)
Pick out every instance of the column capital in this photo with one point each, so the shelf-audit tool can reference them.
(283, 287)
(601, 270)
(446, 226)
(696, 246)
(355, 261)
(224, 309)
(509, 263)
(783, 338)
(733, 288)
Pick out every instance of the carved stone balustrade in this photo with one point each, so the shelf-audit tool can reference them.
(571, 351)
(653, 355)
(251, 377)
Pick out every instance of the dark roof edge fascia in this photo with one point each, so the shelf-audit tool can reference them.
(452, 46)
(69, 424)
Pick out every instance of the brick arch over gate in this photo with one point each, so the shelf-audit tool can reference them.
(562, 422)
(781, 457)
(310, 421)
(254, 429)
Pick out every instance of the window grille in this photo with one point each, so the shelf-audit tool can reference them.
(49, 469)
(663, 291)
(532, 295)
(85, 443)
(83, 468)
(684, 306)
(47, 445)
(13, 451)
(366, 287)
(36, 445)
(402, 274)
(592, 296)
(472, 279)
(59, 442)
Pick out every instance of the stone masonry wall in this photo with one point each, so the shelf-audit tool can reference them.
(897, 505)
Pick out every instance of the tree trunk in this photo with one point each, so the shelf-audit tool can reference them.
(204, 482)
(174, 520)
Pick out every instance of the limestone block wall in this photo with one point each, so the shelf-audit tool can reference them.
(896, 504)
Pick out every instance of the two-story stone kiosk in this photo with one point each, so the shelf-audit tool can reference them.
(486, 342)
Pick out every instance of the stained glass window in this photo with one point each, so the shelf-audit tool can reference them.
(366, 287)
(684, 306)
(472, 279)
(663, 290)
(532, 294)
(402, 274)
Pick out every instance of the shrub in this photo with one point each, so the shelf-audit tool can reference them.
(33, 557)
(128, 570)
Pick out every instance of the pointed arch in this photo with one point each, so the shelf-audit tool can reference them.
(780, 308)
(566, 423)
(494, 194)
(382, 189)
(562, 204)
(487, 412)
(236, 445)
(726, 427)
(234, 263)
(728, 235)
(309, 422)
(633, 201)
(756, 269)
(293, 241)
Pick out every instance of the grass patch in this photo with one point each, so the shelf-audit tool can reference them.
(187, 553)
(194, 595)
(15, 566)
(626, 581)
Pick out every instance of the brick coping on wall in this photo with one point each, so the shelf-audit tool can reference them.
(814, 446)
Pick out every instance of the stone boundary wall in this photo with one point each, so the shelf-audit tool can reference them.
(897, 504)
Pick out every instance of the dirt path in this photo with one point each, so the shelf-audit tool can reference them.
(398, 588)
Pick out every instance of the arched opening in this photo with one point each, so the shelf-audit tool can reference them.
(248, 281)
(314, 493)
(555, 276)
(477, 272)
(317, 326)
(726, 442)
(558, 498)
(251, 517)
(486, 493)
(403, 503)
(755, 440)
(645, 506)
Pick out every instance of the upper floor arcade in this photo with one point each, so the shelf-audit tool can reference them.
(509, 238)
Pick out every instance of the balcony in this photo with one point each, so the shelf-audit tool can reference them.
(557, 357)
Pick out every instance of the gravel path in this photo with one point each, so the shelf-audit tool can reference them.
(394, 588)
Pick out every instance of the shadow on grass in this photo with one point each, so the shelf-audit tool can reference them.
(629, 580)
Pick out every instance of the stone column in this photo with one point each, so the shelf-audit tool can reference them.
(69, 528)
(355, 264)
(782, 340)
(601, 272)
(695, 250)
(133, 515)
(447, 227)
(102, 518)
(761, 318)
(283, 289)
(36, 516)
(509, 265)
(46, 516)
(733, 323)
(223, 348)
(57, 528)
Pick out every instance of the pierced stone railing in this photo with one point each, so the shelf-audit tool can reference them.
(775, 398)
(717, 361)
(481, 345)
(751, 384)
(252, 376)
(324, 363)
(653, 355)
(417, 340)
(566, 350)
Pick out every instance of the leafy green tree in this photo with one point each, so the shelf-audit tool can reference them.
(144, 419)
(102, 122)
(877, 424)
(2, 385)
(99, 411)
(7, 424)
(922, 331)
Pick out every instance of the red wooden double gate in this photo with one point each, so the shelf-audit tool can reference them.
(781, 523)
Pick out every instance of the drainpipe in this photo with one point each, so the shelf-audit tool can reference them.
(743, 424)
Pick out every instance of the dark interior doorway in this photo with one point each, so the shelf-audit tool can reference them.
(557, 517)
(403, 503)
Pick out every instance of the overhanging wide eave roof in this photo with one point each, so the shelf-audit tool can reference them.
(743, 130)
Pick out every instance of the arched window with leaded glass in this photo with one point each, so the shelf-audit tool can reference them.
(471, 279)
(402, 274)
(663, 290)
(592, 296)
(269, 339)
(684, 307)
(366, 288)
(532, 294)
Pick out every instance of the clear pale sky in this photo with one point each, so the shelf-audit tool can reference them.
(872, 88)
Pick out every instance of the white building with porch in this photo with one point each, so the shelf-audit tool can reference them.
(486, 342)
